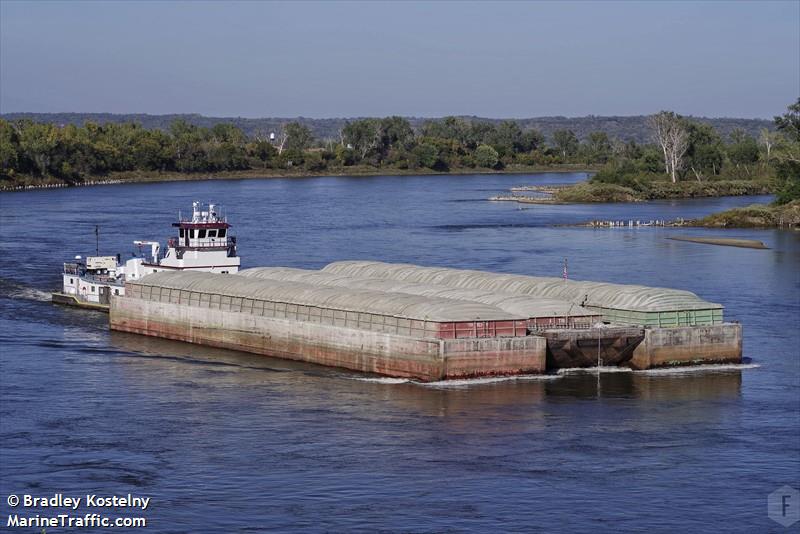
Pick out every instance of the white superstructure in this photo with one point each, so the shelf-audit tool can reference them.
(203, 244)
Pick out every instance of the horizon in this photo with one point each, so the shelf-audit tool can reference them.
(333, 60)
(418, 117)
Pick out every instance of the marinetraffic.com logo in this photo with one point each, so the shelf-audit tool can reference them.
(783, 506)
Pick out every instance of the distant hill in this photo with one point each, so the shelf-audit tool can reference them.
(625, 128)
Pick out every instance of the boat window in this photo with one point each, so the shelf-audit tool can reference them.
(221, 232)
(201, 234)
(71, 280)
(212, 233)
(183, 233)
(191, 233)
(92, 289)
(116, 291)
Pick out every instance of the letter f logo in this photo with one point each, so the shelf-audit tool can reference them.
(783, 506)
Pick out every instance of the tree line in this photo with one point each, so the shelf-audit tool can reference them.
(681, 149)
(627, 128)
(72, 153)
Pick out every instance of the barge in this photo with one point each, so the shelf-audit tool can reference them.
(576, 336)
(677, 327)
(429, 323)
(392, 334)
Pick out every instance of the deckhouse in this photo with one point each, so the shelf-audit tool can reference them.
(203, 244)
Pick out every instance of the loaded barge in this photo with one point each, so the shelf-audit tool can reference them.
(428, 323)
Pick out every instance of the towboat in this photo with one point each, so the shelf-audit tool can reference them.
(203, 243)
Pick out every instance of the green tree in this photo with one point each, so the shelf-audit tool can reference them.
(486, 156)
(395, 132)
(789, 122)
(427, 155)
(787, 156)
(452, 128)
(313, 161)
(262, 150)
(565, 142)
(531, 140)
(599, 147)
(743, 150)
(151, 152)
(299, 137)
(227, 133)
(363, 136)
(38, 143)
(507, 138)
(706, 152)
(480, 133)
(9, 148)
(344, 156)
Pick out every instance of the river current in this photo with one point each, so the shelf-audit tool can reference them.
(223, 441)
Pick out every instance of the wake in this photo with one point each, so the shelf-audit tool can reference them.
(17, 290)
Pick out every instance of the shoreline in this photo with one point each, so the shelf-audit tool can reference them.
(589, 193)
(755, 216)
(129, 177)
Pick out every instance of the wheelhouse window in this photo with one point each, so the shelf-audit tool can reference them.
(191, 233)
(201, 234)
(212, 233)
(221, 232)
(183, 233)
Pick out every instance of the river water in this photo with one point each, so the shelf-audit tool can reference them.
(231, 442)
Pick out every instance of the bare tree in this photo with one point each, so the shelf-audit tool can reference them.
(769, 140)
(673, 138)
(679, 144)
(283, 137)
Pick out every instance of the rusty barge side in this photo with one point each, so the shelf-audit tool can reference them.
(425, 359)
(427, 339)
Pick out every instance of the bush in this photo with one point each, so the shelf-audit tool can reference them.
(486, 156)
(596, 192)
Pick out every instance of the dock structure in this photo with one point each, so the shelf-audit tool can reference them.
(429, 323)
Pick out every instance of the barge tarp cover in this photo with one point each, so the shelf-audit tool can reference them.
(402, 305)
(523, 305)
(593, 294)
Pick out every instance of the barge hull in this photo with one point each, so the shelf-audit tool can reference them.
(571, 348)
(688, 345)
(72, 300)
(349, 348)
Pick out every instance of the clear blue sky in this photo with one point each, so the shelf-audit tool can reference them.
(344, 59)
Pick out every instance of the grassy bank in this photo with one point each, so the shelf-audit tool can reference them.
(755, 216)
(33, 182)
(657, 190)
